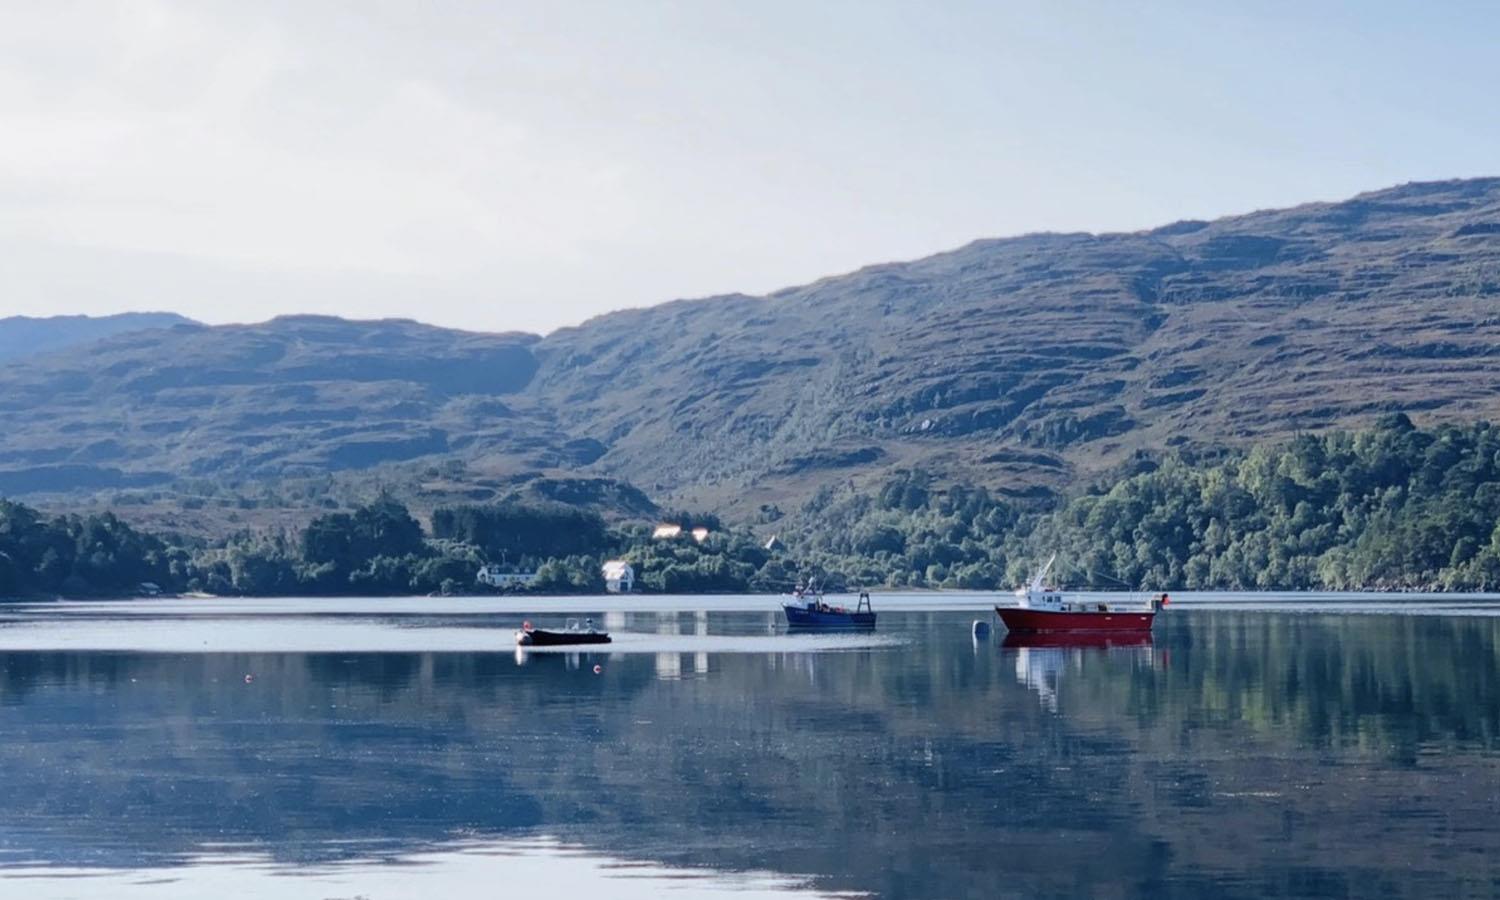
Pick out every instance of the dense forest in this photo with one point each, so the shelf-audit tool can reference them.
(81, 555)
(1393, 506)
(1390, 507)
(376, 549)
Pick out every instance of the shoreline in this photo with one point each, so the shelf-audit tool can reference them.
(1321, 594)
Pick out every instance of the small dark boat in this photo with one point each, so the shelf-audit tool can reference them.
(573, 634)
(815, 612)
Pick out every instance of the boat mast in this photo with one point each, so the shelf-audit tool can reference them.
(1036, 582)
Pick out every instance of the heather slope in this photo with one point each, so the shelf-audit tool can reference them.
(1018, 361)
(1020, 364)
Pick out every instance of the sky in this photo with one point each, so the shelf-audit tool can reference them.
(525, 166)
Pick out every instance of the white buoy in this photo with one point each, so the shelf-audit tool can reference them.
(981, 629)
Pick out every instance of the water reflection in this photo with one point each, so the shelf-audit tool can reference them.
(668, 664)
(1236, 754)
(700, 628)
(1041, 659)
(1078, 639)
(464, 868)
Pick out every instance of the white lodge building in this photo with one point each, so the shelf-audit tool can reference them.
(619, 577)
(494, 576)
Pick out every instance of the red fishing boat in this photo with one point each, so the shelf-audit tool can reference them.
(1041, 609)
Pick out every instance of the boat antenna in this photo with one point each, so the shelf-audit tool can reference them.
(1106, 575)
(1036, 581)
(1126, 585)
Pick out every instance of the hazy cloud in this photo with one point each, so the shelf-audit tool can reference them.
(521, 165)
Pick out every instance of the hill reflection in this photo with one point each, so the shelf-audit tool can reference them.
(1238, 754)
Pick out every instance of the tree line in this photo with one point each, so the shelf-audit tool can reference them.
(1389, 507)
(376, 549)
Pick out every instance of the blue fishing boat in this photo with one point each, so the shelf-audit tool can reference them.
(812, 611)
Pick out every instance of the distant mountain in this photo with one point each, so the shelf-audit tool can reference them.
(1020, 363)
(293, 396)
(22, 336)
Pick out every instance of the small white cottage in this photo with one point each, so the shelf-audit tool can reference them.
(619, 577)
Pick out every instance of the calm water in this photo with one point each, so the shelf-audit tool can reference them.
(1256, 746)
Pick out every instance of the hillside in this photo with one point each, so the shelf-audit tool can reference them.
(1020, 364)
(1023, 361)
(290, 397)
(22, 336)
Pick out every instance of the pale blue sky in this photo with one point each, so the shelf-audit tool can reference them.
(521, 165)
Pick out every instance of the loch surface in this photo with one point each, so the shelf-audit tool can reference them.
(1255, 745)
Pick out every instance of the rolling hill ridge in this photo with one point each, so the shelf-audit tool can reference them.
(23, 336)
(1021, 364)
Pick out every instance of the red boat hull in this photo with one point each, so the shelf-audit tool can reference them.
(1036, 620)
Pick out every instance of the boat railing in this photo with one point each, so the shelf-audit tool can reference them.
(817, 601)
(1057, 600)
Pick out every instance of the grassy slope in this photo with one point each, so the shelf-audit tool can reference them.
(1015, 363)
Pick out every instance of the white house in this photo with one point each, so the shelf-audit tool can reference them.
(494, 576)
(619, 577)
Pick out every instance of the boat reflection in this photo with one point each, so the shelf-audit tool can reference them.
(571, 660)
(1042, 658)
(1077, 639)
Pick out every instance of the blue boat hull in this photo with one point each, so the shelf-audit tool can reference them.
(802, 617)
